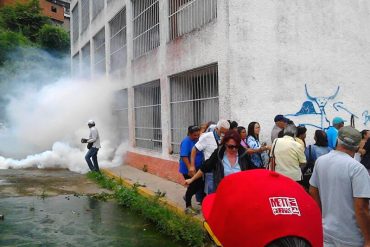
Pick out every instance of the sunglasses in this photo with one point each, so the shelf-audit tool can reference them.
(231, 146)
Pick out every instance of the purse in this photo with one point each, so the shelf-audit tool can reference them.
(271, 165)
(308, 169)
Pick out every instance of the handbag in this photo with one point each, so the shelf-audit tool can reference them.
(271, 165)
(308, 169)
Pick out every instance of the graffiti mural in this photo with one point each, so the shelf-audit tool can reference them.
(366, 117)
(313, 111)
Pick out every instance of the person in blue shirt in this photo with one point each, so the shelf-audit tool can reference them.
(186, 146)
(332, 132)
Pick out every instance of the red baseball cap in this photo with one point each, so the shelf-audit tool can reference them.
(255, 207)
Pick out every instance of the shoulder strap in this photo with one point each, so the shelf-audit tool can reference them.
(214, 136)
(273, 149)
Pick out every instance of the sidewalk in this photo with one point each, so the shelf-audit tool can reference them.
(174, 191)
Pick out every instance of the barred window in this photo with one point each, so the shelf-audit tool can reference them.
(118, 40)
(85, 15)
(75, 64)
(86, 58)
(97, 7)
(194, 100)
(99, 51)
(188, 15)
(121, 113)
(146, 26)
(75, 23)
(147, 108)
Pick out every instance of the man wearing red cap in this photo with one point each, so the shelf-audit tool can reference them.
(260, 208)
(341, 187)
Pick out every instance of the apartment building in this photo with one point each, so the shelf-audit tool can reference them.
(184, 62)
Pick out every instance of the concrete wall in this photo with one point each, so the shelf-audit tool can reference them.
(267, 52)
(276, 47)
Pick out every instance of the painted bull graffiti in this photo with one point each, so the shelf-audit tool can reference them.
(311, 115)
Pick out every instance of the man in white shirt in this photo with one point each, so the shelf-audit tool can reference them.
(341, 187)
(93, 144)
(207, 144)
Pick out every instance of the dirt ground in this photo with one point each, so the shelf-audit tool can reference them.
(45, 182)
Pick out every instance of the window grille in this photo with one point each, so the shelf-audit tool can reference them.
(97, 6)
(146, 26)
(85, 15)
(99, 51)
(118, 40)
(75, 63)
(194, 100)
(86, 58)
(188, 15)
(75, 27)
(147, 108)
(121, 113)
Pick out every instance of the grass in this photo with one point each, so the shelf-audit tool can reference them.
(180, 227)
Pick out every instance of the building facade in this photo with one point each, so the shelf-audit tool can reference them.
(184, 62)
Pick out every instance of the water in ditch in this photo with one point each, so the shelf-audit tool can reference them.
(66, 220)
(42, 208)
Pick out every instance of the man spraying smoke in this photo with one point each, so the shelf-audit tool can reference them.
(93, 144)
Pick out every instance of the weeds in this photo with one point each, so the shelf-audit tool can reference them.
(181, 227)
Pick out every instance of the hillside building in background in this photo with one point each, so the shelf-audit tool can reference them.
(57, 10)
(184, 62)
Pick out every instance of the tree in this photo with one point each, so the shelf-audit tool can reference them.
(24, 18)
(9, 41)
(54, 39)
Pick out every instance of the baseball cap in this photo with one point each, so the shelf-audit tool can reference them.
(91, 122)
(279, 118)
(350, 137)
(338, 120)
(256, 207)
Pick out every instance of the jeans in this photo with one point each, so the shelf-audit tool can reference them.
(209, 185)
(92, 154)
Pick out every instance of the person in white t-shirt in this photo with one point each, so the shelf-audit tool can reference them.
(341, 187)
(207, 143)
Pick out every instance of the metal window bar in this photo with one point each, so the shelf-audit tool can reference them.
(75, 63)
(99, 51)
(147, 108)
(146, 26)
(86, 58)
(75, 27)
(120, 110)
(188, 15)
(194, 100)
(85, 15)
(118, 41)
(97, 7)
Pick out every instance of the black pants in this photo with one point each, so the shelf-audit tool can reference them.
(194, 187)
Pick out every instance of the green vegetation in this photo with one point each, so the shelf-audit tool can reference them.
(181, 227)
(24, 26)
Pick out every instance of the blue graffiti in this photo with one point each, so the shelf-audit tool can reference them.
(339, 105)
(309, 109)
(366, 116)
(311, 114)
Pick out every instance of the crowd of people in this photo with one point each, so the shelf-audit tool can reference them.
(335, 170)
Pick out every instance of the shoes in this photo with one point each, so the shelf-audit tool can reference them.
(191, 211)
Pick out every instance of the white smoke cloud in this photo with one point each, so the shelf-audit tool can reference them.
(45, 125)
